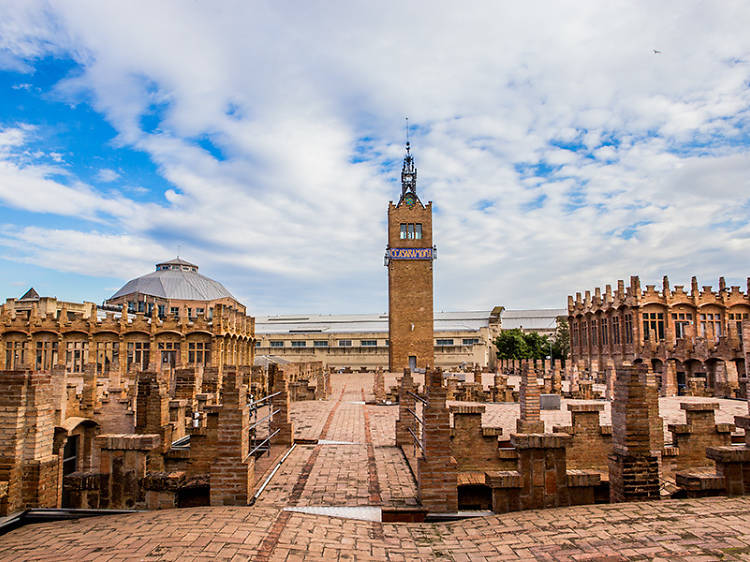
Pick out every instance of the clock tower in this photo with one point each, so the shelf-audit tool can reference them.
(409, 258)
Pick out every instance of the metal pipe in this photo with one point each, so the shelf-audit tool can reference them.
(261, 443)
(417, 396)
(256, 402)
(416, 417)
(268, 479)
(264, 418)
(416, 439)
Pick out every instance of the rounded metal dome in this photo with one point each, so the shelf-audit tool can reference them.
(178, 280)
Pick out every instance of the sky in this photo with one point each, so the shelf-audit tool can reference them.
(565, 145)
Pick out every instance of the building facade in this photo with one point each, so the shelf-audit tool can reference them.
(409, 258)
(362, 341)
(181, 319)
(696, 340)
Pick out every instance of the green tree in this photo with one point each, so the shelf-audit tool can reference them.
(561, 340)
(515, 344)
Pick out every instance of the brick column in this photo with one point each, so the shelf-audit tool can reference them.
(186, 384)
(126, 459)
(405, 419)
(634, 462)
(152, 404)
(610, 375)
(281, 420)
(669, 378)
(88, 395)
(530, 420)
(232, 471)
(60, 392)
(437, 486)
(378, 386)
(556, 377)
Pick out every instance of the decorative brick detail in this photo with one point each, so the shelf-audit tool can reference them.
(591, 443)
(126, 459)
(543, 469)
(698, 433)
(634, 462)
(437, 487)
(733, 464)
(530, 420)
(187, 384)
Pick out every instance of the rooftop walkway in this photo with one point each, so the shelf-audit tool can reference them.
(355, 469)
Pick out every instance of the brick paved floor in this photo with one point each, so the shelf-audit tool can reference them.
(365, 469)
(706, 529)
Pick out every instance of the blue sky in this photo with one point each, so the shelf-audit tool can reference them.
(263, 141)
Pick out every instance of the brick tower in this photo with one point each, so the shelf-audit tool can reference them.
(409, 257)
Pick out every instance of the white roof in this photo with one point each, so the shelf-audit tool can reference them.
(537, 319)
(362, 323)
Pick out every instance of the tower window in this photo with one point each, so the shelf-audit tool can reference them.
(411, 231)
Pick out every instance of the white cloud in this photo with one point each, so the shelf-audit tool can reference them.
(107, 175)
(560, 151)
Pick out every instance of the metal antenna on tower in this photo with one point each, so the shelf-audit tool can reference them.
(407, 134)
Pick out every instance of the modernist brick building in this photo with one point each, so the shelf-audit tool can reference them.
(409, 258)
(697, 340)
(40, 333)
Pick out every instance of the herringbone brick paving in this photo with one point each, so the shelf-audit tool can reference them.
(342, 474)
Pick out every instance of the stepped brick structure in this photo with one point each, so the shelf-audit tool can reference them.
(436, 468)
(694, 341)
(634, 462)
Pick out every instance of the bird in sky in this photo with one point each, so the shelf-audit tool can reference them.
(657, 52)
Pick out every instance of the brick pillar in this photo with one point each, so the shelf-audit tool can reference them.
(232, 471)
(610, 374)
(556, 377)
(26, 441)
(634, 462)
(478, 376)
(60, 392)
(530, 420)
(405, 419)
(320, 384)
(211, 380)
(186, 384)
(451, 388)
(152, 404)
(732, 379)
(378, 388)
(573, 388)
(88, 395)
(12, 424)
(437, 485)
(669, 378)
(280, 420)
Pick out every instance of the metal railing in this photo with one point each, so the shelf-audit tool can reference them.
(260, 441)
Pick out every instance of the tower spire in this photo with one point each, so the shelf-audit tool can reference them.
(408, 171)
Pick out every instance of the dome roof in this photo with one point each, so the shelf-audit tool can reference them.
(175, 279)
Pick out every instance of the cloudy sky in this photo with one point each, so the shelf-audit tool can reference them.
(263, 141)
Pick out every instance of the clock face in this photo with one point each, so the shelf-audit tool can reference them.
(409, 200)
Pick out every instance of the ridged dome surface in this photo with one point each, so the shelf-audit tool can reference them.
(178, 280)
